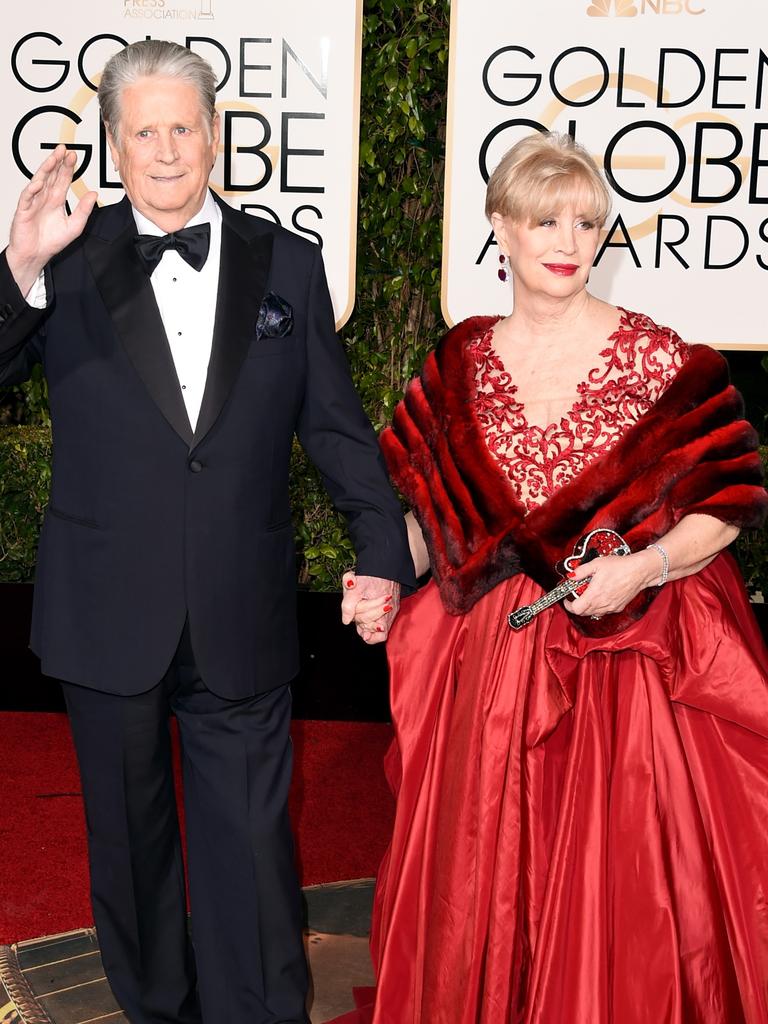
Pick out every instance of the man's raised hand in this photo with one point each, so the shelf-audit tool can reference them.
(41, 226)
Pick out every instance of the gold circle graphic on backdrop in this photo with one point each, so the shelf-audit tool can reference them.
(647, 87)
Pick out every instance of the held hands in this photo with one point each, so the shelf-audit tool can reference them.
(615, 581)
(41, 226)
(371, 603)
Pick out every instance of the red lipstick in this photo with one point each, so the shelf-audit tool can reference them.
(562, 269)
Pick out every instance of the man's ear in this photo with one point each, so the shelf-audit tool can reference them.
(215, 135)
(113, 148)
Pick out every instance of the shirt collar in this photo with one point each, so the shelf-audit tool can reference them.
(209, 213)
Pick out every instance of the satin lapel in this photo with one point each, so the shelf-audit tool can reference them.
(130, 301)
(243, 277)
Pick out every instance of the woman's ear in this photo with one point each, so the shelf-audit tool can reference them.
(499, 225)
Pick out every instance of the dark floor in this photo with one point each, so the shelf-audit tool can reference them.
(340, 678)
(60, 980)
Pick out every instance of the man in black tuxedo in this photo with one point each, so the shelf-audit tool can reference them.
(180, 363)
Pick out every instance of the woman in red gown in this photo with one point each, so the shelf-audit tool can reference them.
(581, 834)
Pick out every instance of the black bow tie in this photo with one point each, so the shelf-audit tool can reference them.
(192, 245)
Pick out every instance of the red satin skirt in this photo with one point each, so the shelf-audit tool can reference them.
(581, 833)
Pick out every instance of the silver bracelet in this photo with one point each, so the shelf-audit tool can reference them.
(664, 565)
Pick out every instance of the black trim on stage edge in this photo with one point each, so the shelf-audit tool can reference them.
(341, 678)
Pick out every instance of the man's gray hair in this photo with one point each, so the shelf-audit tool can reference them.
(153, 57)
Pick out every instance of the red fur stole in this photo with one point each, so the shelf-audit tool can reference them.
(692, 452)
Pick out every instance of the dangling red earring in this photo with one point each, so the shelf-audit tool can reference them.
(503, 273)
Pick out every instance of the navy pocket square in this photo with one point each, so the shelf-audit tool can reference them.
(275, 318)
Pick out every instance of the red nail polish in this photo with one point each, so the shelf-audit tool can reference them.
(379, 629)
(387, 607)
(350, 583)
(571, 574)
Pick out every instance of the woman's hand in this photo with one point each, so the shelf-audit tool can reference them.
(371, 603)
(615, 580)
(690, 546)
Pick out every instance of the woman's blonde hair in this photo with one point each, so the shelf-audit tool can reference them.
(540, 174)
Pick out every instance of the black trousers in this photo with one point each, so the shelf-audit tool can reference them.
(246, 962)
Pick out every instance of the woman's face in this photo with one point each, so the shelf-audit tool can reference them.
(552, 257)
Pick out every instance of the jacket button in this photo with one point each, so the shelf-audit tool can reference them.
(195, 466)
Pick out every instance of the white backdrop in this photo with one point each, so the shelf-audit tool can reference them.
(289, 77)
(673, 94)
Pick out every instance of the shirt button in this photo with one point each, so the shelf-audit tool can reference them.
(195, 466)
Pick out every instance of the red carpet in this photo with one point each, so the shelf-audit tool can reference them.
(340, 806)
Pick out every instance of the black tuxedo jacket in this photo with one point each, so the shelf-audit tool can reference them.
(149, 522)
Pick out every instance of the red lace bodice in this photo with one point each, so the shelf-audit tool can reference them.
(639, 362)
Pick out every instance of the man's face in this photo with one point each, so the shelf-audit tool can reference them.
(165, 151)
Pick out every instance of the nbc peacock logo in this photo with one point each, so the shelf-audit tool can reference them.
(617, 8)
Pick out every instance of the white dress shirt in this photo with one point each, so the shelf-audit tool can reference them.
(186, 299)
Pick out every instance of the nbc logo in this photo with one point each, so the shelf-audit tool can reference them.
(621, 8)
(631, 8)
